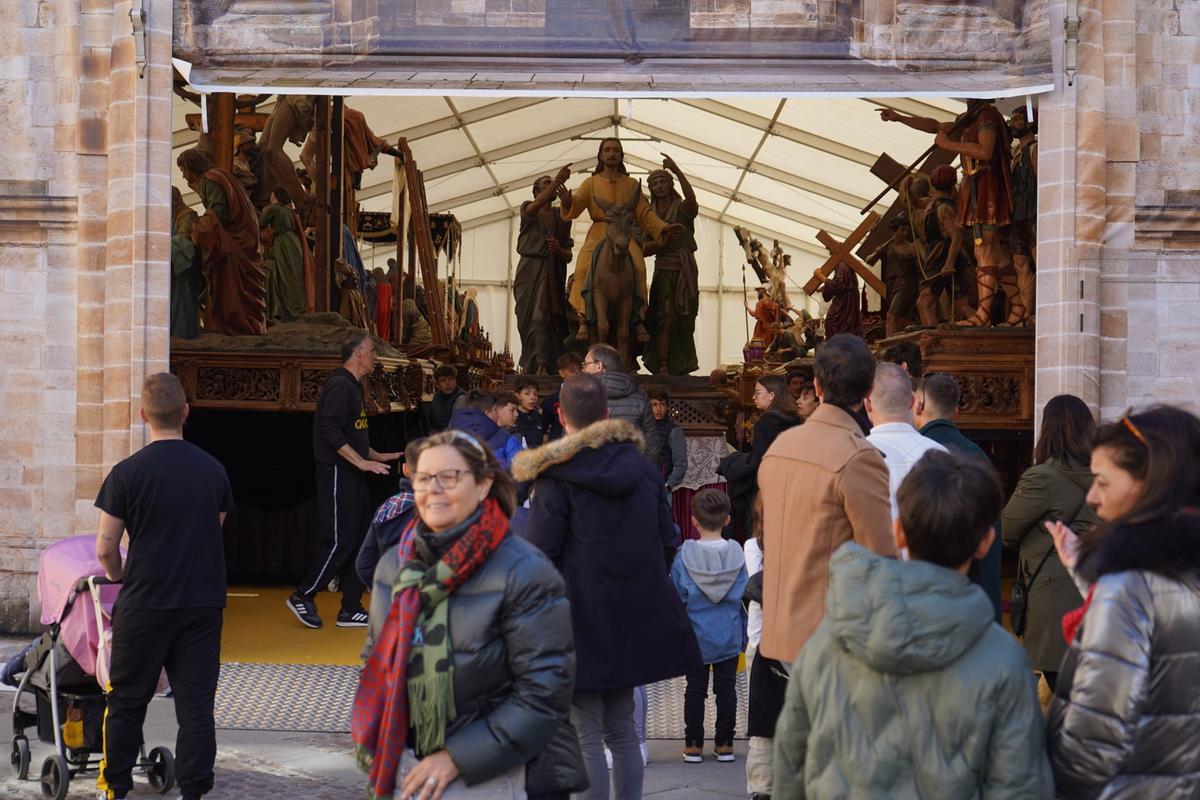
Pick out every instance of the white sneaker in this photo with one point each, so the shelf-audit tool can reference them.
(645, 754)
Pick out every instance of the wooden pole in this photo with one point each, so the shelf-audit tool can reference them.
(321, 196)
(337, 171)
(435, 299)
(398, 202)
(222, 129)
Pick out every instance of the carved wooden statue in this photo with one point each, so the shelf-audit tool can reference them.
(291, 120)
(982, 140)
(228, 236)
(675, 290)
(539, 295)
(610, 183)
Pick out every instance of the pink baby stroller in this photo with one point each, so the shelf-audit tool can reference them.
(66, 673)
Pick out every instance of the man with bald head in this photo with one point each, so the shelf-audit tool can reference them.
(890, 407)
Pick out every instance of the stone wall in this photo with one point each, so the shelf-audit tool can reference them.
(933, 30)
(1119, 236)
(83, 311)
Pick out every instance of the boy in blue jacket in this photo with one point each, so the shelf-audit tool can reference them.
(710, 575)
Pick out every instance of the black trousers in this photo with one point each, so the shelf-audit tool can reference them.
(724, 682)
(187, 643)
(344, 512)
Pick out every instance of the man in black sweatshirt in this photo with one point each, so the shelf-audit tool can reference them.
(343, 457)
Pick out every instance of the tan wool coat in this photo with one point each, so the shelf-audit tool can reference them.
(822, 485)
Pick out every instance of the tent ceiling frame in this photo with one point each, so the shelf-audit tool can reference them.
(619, 124)
(465, 118)
(475, 146)
(499, 190)
(762, 205)
(766, 134)
(782, 130)
(500, 153)
(724, 156)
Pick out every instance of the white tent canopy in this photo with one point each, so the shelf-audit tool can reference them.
(784, 168)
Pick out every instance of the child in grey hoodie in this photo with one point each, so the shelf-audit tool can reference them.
(710, 575)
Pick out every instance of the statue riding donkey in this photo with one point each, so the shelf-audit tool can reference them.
(609, 289)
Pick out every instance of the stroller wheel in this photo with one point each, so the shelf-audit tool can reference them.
(160, 770)
(20, 757)
(56, 777)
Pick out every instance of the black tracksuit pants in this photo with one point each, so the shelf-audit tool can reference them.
(187, 643)
(344, 512)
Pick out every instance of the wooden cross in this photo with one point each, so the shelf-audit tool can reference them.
(839, 253)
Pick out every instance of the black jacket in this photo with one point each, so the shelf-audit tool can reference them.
(514, 660)
(627, 401)
(531, 426)
(598, 510)
(339, 419)
(984, 571)
(442, 407)
(549, 409)
(741, 469)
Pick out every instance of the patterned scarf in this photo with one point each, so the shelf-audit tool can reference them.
(409, 678)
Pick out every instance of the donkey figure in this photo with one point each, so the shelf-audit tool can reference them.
(613, 284)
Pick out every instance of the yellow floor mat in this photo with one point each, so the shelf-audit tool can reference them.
(259, 629)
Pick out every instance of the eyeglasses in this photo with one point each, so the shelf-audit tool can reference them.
(590, 361)
(446, 480)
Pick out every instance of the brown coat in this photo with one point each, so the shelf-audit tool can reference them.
(822, 485)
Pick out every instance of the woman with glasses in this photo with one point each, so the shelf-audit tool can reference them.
(777, 413)
(1124, 720)
(471, 655)
(1055, 488)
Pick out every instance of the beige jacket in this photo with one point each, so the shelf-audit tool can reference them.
(822, 485)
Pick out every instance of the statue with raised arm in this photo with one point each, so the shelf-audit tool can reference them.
(291, 120)
(985, 202)
(539, 294)
(610, 185)
(675, 290)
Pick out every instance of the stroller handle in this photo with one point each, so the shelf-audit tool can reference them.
(99, 580)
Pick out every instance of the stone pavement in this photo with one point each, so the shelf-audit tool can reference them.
(320, 766)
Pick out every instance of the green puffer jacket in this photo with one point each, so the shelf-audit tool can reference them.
(908, 689)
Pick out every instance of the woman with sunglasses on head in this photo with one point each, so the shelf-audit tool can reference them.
(777, 413)
(1124, 722)
(1054, 488)
(471, 654)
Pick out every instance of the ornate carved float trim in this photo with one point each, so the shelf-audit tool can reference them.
(994, 368)
(291, 382)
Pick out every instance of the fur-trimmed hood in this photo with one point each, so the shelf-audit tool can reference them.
(592, 456)
(1167, 547)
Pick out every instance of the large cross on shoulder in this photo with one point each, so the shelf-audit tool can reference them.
(839, 253)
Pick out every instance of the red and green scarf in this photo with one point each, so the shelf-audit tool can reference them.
(409, 677)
